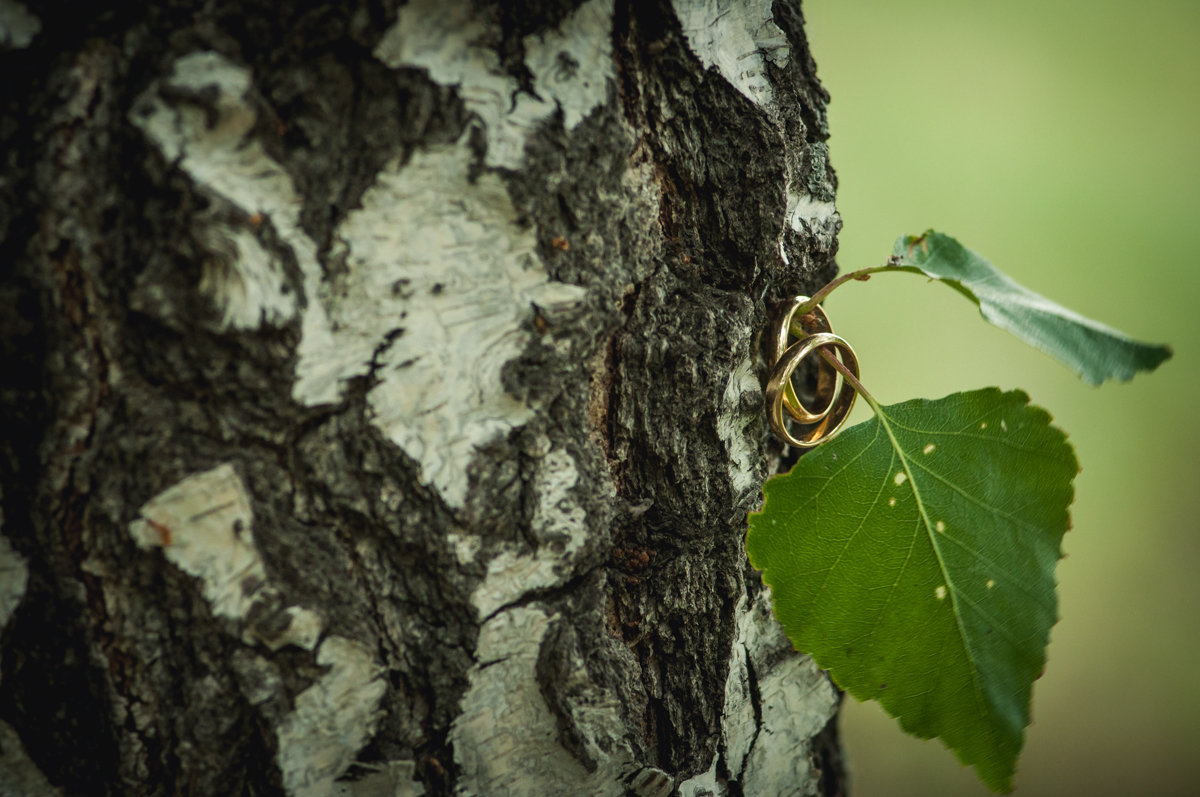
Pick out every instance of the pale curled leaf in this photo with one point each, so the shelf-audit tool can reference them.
(913, 557)
(1095, 351)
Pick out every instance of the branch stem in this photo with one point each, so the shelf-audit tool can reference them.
(861, 275)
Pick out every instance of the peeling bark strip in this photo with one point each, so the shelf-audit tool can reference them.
(386, 397)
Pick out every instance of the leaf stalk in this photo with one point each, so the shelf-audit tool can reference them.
(849, 376)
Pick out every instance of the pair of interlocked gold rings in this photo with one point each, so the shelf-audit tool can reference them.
(792, 340)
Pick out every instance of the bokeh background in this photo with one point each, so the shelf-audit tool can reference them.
(1061, 140)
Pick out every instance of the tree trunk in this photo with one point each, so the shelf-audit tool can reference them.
(382, 396)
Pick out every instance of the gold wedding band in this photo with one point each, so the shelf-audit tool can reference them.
(789, 326)
(834, 396)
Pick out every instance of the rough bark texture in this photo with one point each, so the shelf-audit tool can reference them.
(382, 396)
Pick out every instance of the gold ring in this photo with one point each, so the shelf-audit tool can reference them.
(834, 396)
(787, 327)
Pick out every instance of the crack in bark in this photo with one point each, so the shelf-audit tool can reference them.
(755, 703)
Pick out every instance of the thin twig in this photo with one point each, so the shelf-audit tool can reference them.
(861, 275)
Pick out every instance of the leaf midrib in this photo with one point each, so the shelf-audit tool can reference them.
(950, 586)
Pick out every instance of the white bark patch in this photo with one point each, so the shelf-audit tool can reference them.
(391, 779)
(571, 67)
(17, 25)
(803, 211)
(797, 701)
(202, 525)
(505, 738)
(213, 145)
(430, 252)
(558, 523)
(245, 281)
(14, 577)
(771, 754)
(731, 428)
(738, 724)
(440, 260)
(332, 719)
(737, 37)
(703, 785)
(303, 632)
(18, 774)
(466, 546)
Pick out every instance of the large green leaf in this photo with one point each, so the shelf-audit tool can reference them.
(1095, 351)
(913, 557)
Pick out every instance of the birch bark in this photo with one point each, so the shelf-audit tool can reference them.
(383, 402)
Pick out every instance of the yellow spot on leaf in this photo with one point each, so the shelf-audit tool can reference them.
(900, 477)
(929, 448)
(940, 592)
(1004, 426)
(940, 526)
(991, 583)
(891, 502)
(983, 425)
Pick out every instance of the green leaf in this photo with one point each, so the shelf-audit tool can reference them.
(1093, 350)
(913, 558)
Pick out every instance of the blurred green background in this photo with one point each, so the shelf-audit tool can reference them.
(1061, 141)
